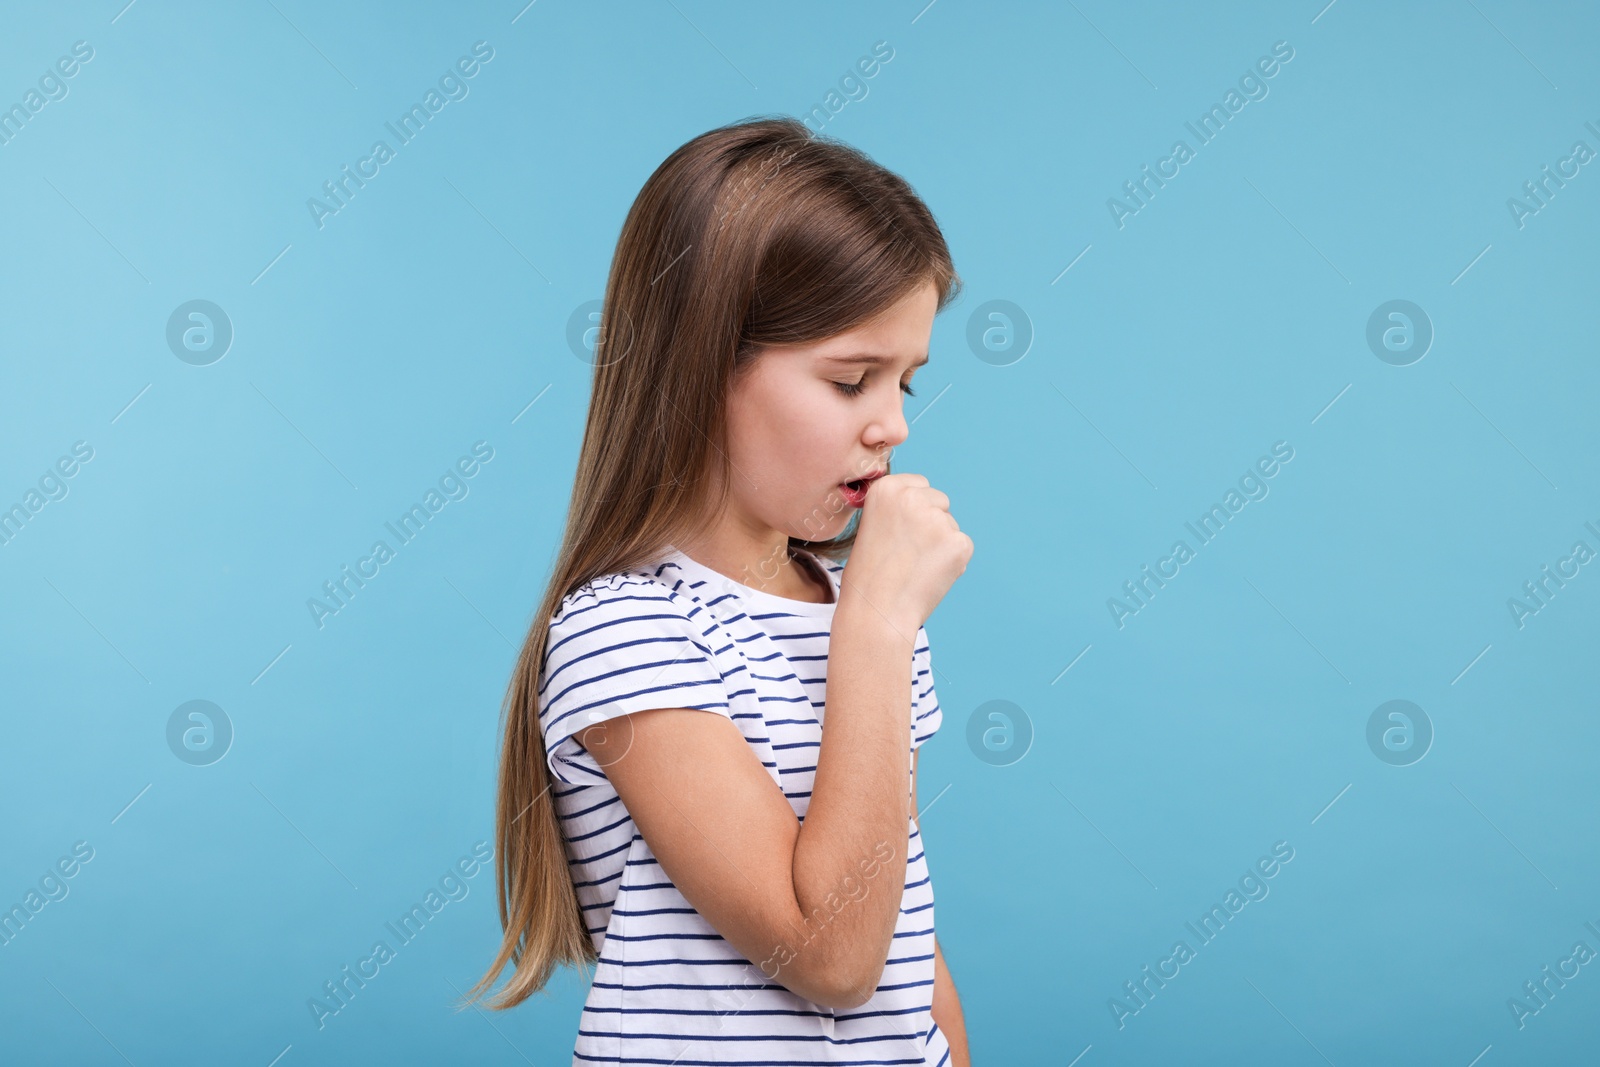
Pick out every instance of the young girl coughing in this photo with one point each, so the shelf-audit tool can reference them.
(708, 775)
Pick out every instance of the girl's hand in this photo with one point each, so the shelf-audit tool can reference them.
(908, 550)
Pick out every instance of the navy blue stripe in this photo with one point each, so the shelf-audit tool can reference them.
(679, 1061)
(818, 1038)
(604, 829)
(632, 668)
(702, 705)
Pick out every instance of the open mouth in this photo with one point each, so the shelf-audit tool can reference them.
(855, 490)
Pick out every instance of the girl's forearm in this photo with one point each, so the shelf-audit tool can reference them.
(947, 1011)
(853, 842)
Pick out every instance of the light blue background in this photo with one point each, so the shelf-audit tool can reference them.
(1228, 314)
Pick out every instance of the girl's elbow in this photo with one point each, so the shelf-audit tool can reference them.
(844, 989)
(828, 984)
(827, 969)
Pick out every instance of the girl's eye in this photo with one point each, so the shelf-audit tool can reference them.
(854, 388)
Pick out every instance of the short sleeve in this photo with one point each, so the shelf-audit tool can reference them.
(926, 716)
(614, 649)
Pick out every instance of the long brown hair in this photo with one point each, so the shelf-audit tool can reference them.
(752, 235)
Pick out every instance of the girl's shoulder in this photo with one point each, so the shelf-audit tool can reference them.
(641, 591)
(616, 644)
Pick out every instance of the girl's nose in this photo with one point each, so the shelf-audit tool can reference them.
(889, 428)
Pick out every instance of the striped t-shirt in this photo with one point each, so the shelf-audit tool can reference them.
(668, 989)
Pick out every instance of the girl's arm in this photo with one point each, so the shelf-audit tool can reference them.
(947, 1010)
(946, 1003)
(813, 906)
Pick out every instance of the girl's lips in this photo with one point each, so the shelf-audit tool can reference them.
(855, 493)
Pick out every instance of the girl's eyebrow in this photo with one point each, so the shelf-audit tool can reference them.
(871, 359)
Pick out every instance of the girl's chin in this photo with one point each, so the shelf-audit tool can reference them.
(827, 521)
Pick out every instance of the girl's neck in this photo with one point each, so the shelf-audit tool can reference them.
(821, 586)
(780, 572)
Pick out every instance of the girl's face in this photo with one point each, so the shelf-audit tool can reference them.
(804, 419)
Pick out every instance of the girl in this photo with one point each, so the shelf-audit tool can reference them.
(751, 885)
